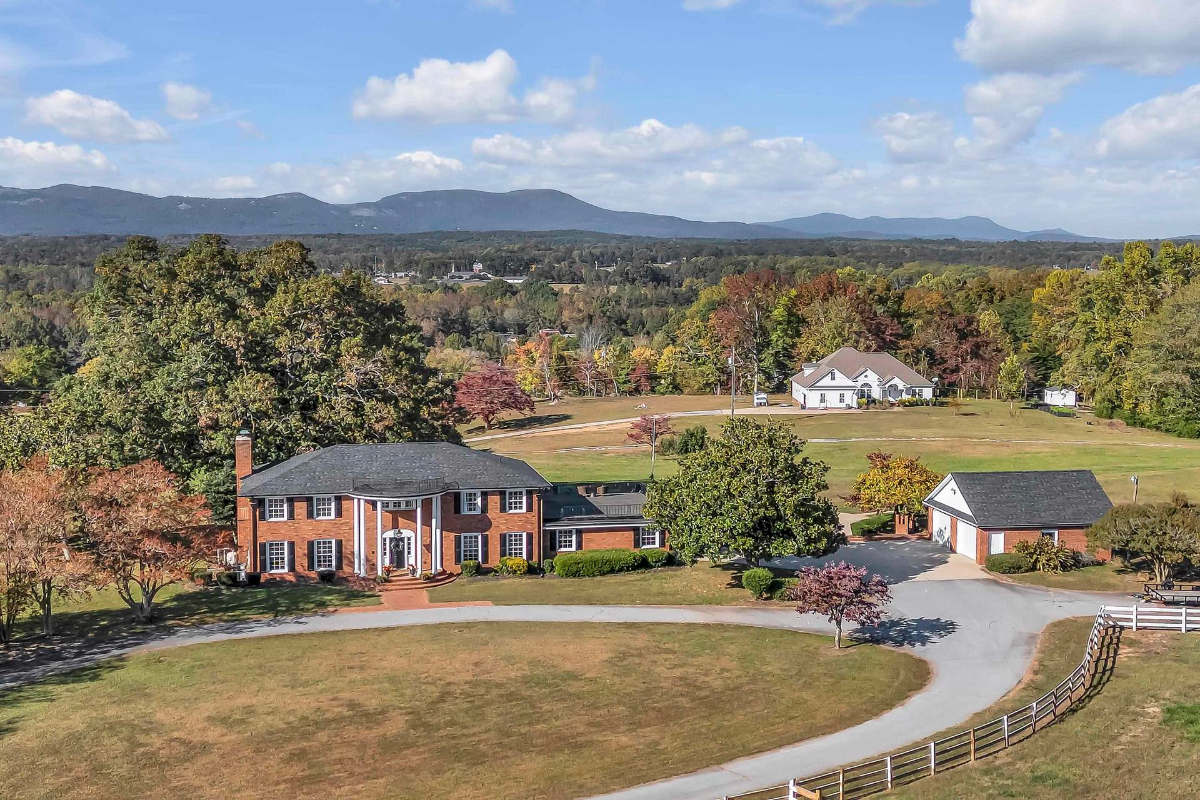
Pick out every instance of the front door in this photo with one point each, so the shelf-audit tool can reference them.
(398, 550)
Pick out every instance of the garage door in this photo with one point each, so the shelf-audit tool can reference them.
(966, 540)
(939, 523)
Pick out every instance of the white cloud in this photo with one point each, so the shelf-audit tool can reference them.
(236, 184)
(28, 164)
(1165, 127)
(364, 178)
(82, 116)
(184, 101)
(441, 91)
(916, 137)
(1146, 36)
(1006, 109)
(709, 5)
(781, 162)
(503, 6)
(250, 129)
(649, 140)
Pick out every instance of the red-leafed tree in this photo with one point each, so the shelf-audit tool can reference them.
(146, 533)
(841, 592)
(649, 429)
(489, 391)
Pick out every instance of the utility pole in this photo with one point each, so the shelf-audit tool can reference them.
(653, 442)
(733, 382)
(1134, 480)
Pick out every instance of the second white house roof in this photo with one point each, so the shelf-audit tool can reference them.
(851, 363)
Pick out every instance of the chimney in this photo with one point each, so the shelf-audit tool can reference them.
(243, 456)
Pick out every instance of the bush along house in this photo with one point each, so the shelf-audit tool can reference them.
(369, 509)
(597, 517)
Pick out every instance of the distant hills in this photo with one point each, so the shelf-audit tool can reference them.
(67, 210)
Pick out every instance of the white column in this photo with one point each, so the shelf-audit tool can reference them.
(354, 521)
(437, 533)
(378, 537)
(420, 535)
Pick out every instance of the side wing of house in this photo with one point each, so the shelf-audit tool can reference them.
(951, 521)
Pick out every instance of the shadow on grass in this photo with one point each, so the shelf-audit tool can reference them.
(44, 691)
(906, 631)
(522, 423)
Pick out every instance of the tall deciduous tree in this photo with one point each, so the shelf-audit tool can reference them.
(187, 346)
(146, 532)
(895, 483)
(749, 492)
(1167, 534)
(489, 391)
(841, 593)
(649, 429)
(1011, 380)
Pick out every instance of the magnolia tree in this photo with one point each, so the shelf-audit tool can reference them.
(1166, 534)
(146, 532)
(489, 391)
(841, 593)
(39, 523)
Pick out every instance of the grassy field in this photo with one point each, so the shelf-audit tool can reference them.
(700, 585)
(1138, 738)
(984, 437)
(496, 711)
(1103, 578)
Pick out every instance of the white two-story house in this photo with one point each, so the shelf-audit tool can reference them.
(841, 378)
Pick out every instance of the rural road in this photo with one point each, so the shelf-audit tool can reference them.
(979, 635)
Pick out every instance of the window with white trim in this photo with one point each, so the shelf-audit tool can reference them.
(398, 505)
(565, 541)
(647, 537)
(471, 502)
(512, 544)
(822, 400)
(323, 555)
(276, 556)
(1051, 534)
(514, 501)
(323, 507)
(470, 547)
(276, 509)
(841, 398)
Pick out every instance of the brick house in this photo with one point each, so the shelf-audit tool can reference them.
(978, 514)
(597, 516)
(358, 509)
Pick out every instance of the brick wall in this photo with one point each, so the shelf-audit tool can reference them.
(1074, 538)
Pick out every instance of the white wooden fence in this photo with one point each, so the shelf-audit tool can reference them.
(930, 758)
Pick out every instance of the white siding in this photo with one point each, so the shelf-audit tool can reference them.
(948, 495)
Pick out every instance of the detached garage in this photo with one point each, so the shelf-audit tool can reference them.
(978, 514)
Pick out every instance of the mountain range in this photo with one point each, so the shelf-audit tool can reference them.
(73, 210)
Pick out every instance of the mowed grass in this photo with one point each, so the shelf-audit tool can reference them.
(984, 437)
(1110, 577)
(701, 585)
(495, 711)
(1139, 737)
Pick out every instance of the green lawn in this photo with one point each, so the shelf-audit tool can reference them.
(1103, 578)
(495, 711)
(984, 437)
(1139, 737)
(700, 585)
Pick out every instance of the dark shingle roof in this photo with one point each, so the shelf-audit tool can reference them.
(851, 363)
(391, 470)
(1033, 499)
(619, 504)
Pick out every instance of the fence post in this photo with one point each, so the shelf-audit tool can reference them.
(889, 771)
(1135, 608)
(1006, 730)
(972, 744)
(792, 794)
(1033, 716)
(841, 784)
(1183, 620)
(933, 758)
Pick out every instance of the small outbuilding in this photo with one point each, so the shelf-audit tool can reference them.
(1059, 396)
(977, 514)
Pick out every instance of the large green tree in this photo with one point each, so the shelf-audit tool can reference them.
(189, 345)
(750, 492)
(1167, 534)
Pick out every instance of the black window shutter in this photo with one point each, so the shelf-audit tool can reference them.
(262, 556)
(458, 502)
(310, 506)
(290, 504)
(529, 500)
(483, 502)
(458, 548)
(578, 540)
(262, 508)
(337, 509)
(503, 545)
(483, 548)
(337, 554)
(312, 555)
(529, 553)
(291, 556)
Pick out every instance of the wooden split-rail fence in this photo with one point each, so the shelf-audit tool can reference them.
(938, 755)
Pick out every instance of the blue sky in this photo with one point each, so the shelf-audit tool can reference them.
(1083, 114)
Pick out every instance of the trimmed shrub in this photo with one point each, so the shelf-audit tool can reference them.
(1008, 563)
(227, 578)
(784, 588)
(512, 565)
(873, 526)
(427, 576)
(1046, 556)
(470, 568)
(692, 440)
(591, 563)
(657, 557)
(548, 566)
(757, 581)
(326, 575)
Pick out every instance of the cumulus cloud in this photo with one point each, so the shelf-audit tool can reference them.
(649, 140)
(1146, 36)
(184, 101)
(1006, 109)
(364, 178)
(441, 91)
(1165, 127)
(236, 184)
(82, 116)
(784, 161)
(916, 137)
(25, 163)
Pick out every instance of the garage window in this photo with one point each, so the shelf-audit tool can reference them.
(1051, 534)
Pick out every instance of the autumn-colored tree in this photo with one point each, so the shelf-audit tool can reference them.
(146, 533)
(841, 593)
(895, 483)
(14, 585)
(39, 522)
(650, 429)
(489, 391)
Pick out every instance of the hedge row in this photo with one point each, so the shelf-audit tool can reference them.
(591, 563)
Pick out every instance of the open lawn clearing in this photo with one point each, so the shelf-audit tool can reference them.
(500, 710)
(103, 619)
(1138, 737)
(701, 585)
(984, 437)
(1102, 578)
